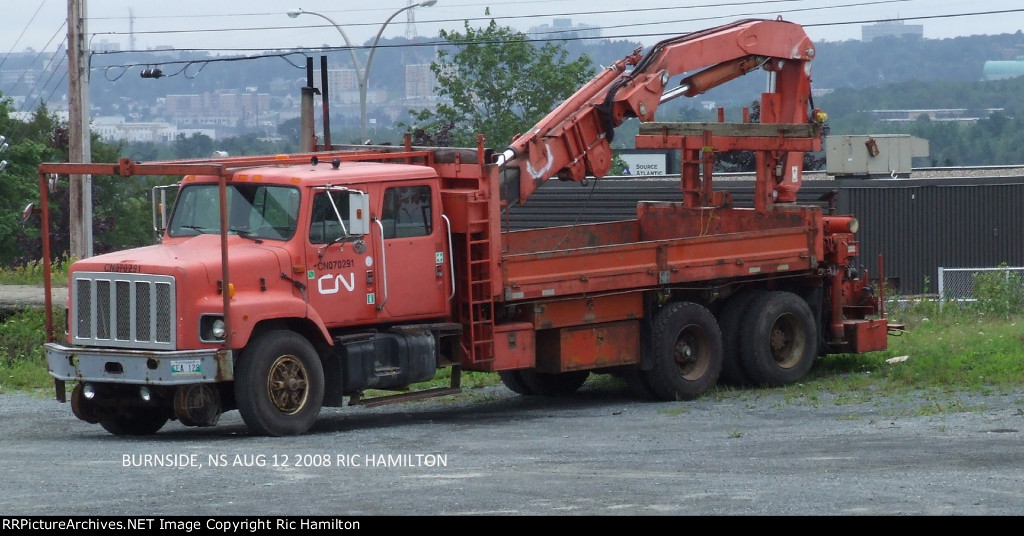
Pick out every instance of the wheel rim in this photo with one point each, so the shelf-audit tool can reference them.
(288, 384)
(787, 341)
(692, 352)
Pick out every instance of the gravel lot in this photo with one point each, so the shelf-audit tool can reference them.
(490, 452)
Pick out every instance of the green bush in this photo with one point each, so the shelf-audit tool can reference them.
(22, 358)
(997, 293)
(32, 273)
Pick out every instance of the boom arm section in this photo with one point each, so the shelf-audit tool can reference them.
(574, 140)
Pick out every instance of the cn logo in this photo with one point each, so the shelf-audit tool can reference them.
(331, 284)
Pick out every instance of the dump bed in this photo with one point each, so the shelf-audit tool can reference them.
(666, 245)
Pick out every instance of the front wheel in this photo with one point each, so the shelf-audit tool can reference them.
(687, 346)
(279, 384)
(135, 421)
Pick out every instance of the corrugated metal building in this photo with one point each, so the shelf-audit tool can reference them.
(949, 218)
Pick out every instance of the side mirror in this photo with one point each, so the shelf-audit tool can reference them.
(359, 213)
(30, 210)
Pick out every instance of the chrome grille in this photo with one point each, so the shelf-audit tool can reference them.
(123, 310)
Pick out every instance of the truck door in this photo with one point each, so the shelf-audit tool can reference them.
(339, 264)
(414, 264)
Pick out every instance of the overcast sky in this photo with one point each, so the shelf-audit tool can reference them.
(262, 24)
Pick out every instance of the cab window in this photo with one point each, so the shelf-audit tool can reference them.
(406, 212)
(325, 227)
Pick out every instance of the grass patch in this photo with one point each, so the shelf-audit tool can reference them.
(33, 273)
(22, 359)
(974, 354)
(943, 353)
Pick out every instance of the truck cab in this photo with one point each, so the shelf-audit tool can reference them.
(310, 246)
(333, 228)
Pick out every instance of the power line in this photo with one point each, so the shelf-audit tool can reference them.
(55, 66)
(630, 35)
(625, 36)
(22, 34)
(514, 17)
(185, 64)
(543, 15)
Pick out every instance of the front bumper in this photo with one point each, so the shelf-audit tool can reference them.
(145, 367)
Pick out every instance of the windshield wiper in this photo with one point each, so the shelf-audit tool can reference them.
(199, 229)
(246, 234)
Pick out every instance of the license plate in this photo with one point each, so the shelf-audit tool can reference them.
(187, 366)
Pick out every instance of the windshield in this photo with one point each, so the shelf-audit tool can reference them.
(257, 211)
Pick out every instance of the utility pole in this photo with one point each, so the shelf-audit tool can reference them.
(79, 142)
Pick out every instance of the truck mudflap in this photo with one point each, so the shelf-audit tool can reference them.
(109, 365)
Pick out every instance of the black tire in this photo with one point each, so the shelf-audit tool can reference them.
(530, 382)
(732, 322)
(637, 384)
(82, 407)
(557, 384)
(513, 379)
(279, 384)
(781, 343)
(687, 347)
(135, 422)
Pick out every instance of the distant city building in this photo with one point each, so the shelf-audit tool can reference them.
(343, 85)
(105, 46)
(116, 129)
(967, 115)
(338, 80)
(890, 28)
(563, 29)
(420, 81)
(1001, 70)
(225, 109)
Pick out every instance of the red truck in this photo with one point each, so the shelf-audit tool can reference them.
(283, 284)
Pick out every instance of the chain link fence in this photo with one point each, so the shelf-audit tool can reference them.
(966, 285)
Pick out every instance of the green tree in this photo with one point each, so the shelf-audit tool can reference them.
(40, 139)
(194, 146)
(492, 81)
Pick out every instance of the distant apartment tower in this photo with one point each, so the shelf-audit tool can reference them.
(890, 28)
(420, 81)
(339, 80)
(223, 108)
(343, 85)
(105, 46)
(563, 29)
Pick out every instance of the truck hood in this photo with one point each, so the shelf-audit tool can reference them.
(196, 260)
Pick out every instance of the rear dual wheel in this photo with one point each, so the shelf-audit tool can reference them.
(733, 321)
(779, 343)
(531, 382)
(687, 348)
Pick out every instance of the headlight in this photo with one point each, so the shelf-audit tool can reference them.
(211, 328)
(218, 328)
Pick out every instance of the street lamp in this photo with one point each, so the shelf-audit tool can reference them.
(362, 76)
